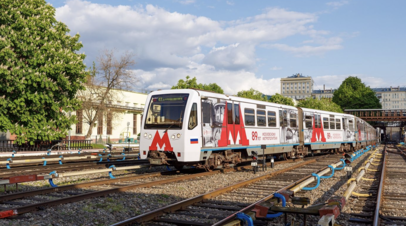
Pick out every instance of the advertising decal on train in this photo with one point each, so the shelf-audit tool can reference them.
(161, 142)
(219, 129)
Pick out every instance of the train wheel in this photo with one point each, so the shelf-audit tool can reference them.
(178, 167)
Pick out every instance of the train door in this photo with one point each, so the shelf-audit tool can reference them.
(207, 132)
(345, 127)
(308, 126)
(283, 123)
(233, 123)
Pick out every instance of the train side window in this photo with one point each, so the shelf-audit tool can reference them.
(206, 110)
(249, 115)
(293, 122)
(325, 123)
(332, 122)
(230, 113)
(237, 114)
(309, 121)
(261, 118)
(271, 119)
(351, 125)
(280, 118)
(193, 117)
(338, 123)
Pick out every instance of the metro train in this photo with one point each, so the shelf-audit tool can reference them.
(210, 130)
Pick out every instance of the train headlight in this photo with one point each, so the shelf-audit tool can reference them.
(149, 136)
(178, 135)
(173, 136)
(145, 134)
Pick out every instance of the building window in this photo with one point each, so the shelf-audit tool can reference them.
(100, 124)
(249, 115)
(135, 124)
(109, 123)
(79, 125)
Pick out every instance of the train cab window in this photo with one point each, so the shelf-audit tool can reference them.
(271, 119)
(230, 113)
(351, 125)
(249, 115)
(237, 114)
(261, 118)
(325, 123)
(338, 123)
(193, 117)
(332, 122)
(293, 122)
(309, 121)
(206, 111)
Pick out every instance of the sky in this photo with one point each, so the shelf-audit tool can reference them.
(245, 44)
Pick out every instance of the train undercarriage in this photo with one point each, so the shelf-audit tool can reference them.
(230, 158)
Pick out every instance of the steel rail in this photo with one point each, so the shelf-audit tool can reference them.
(80, 197)
(252, 205)
(376, 221)
(183, 204)
(75, 198)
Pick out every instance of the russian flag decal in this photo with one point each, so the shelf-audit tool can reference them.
(194, 141)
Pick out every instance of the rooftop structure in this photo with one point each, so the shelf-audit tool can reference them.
(297, 86)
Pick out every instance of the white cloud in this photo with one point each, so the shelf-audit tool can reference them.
(187, 2)
(170, 45)
(232, 57)
(276, 68)
(338, 4)
(230, 81)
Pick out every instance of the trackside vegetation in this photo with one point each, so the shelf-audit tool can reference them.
(40, 71)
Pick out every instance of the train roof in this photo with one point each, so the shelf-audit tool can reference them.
(222, 96)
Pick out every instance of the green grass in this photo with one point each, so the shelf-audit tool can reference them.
(96, 146)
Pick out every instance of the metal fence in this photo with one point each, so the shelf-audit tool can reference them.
(10, 145)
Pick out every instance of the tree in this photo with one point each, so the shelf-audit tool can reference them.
(192, 84)
(324, 104)
(279, 99)
(252, 94)
(105, 80)
(353, 94)
(40, 71)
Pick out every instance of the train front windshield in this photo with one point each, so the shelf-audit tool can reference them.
(166, 111)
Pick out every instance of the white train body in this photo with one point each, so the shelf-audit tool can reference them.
(208, 129)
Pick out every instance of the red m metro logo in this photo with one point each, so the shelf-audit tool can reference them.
(161, 142)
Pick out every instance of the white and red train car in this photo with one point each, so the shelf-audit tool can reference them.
(210, 130)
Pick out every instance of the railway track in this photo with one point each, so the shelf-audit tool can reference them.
(24, 202)
(222, 205)
(381, 197)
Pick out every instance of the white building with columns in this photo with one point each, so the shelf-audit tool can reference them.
(124, 122)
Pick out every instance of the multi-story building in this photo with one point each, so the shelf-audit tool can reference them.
(323, 93)
(297, 86)
(391, 98)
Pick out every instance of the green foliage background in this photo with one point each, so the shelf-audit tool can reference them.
(322, 104)
(40, 71)
(353, 94)
(279, 99)
(192, 84)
